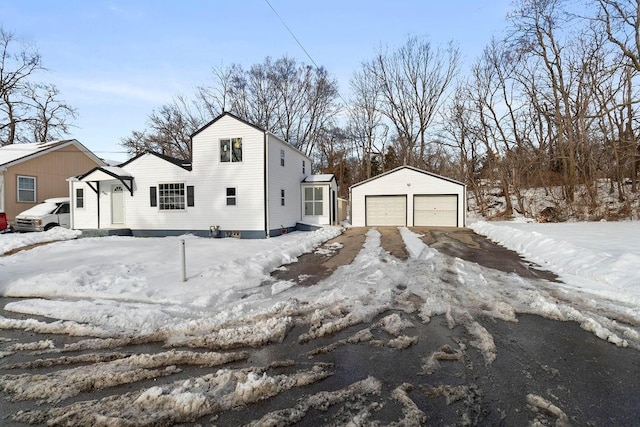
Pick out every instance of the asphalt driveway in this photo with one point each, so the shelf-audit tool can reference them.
(393, 369)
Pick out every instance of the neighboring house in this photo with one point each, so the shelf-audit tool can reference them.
(408, 196)
(242, 181)
(31, 173)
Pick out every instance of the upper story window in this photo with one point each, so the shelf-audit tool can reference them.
(281, 157)
(231, 150)
(26, 189)
(304, 167)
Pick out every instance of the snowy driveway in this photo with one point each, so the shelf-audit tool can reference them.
(412, 329)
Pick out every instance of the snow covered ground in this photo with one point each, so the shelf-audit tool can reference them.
(128, 290)
(115, 285)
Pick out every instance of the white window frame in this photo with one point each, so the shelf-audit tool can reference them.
(314, 206)
(304, 167)
(282, 157)
(282, 197)
(80, 198)
(232, 199)
(172, 196)
(229, 150)
(34, 189)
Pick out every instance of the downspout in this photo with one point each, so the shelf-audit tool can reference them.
(266, 186)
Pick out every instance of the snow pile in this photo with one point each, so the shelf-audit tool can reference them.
(178, 402)
(66, 383)
(11, 241)
(605, 253)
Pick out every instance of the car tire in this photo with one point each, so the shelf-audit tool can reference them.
(50, 226)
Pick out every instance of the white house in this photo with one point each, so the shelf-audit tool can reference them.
(408, 196)
(242, 181)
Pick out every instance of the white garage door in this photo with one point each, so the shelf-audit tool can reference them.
(386, 210)
(435, 211)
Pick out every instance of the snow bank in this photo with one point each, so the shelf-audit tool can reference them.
(598, 257)
(11, 241)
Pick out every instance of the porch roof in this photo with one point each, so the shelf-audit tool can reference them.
(108, 173)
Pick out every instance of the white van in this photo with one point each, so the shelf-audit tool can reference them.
(51, 213)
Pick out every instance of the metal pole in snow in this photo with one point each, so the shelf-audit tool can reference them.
(183, 263)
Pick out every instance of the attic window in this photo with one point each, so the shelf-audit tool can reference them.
(281, 157)
(231, 150)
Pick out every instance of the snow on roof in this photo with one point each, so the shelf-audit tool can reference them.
(116, 170)
(12, 152)
(323, 177)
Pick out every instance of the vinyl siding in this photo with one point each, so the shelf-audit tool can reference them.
(287, 178)
(51, 171)
(408, 182)
(211, 178)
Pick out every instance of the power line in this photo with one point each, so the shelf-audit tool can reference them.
(346, 104)
(291, 32)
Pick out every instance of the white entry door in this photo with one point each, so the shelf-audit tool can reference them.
(117, 204)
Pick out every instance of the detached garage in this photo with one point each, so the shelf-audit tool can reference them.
(408, 196)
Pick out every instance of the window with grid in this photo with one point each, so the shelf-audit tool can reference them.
(281, 197)
(79, 198)
(231, 150)
(313, 201)
(231, 196)
(26, 189)
(171, 196)
(281, 157)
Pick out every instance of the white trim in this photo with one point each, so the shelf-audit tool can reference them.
(35, 189)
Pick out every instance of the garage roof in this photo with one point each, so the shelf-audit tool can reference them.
(411, 168)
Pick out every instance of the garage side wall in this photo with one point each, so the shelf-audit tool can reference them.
(406, 182)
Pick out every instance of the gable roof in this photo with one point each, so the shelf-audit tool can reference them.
(226, 113)
(410, 168)
(184, 164)
(13, 154)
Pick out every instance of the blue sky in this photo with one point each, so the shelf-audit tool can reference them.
(115, 61)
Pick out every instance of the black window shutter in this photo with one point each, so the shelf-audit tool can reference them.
(190, 195)
(153, 196)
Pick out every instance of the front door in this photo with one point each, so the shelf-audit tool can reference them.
(117, 204)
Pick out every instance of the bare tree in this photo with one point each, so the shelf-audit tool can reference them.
(169, 130)
(366, 126)
(51, 117)
(413, 80)
(295, 101)
(16, 68)
(621, 21)
(29, 111)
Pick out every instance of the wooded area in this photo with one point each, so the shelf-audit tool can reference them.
(552, 104)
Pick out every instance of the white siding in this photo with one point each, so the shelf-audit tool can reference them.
(149, 171)
(408, 182)
(212, 177)
(287, 178)
(86, 217)
(327, 189)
